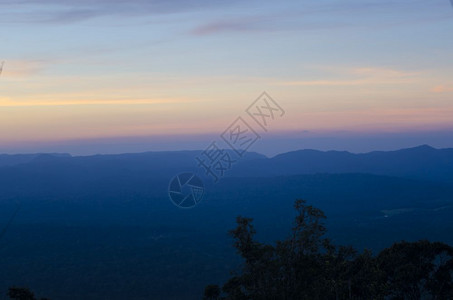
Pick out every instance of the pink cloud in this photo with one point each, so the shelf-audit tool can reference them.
(442, 89)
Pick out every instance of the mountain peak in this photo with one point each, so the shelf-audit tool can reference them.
(423, 147)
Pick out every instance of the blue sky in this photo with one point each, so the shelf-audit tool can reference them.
(78, 73)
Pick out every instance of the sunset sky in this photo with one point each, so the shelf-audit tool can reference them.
(109, 76)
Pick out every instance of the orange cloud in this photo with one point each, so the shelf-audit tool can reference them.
(6, 102)
(441, 89)
(22, 68)
(361, 76)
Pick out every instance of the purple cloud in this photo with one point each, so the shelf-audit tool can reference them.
(63, 11)
(224, 26)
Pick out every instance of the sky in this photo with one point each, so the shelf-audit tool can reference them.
(110, 76)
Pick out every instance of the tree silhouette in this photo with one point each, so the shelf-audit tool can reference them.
(21, 293)
(308, 266)
(18, 293)
(211, 292)
(420, 270)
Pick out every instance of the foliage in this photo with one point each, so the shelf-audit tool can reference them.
(20, 293)
(211, 292)
(308, 266)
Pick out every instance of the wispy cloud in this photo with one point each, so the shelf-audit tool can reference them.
(361, 76)
(68, 11)
(245, 24)
(23, 68)
(442, 88)
(7, 102)
(320, 15)
(295, 15)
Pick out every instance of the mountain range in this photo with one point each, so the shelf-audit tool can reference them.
(108, 223)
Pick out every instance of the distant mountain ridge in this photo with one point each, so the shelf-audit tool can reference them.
(422, 162)
(16, 159)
